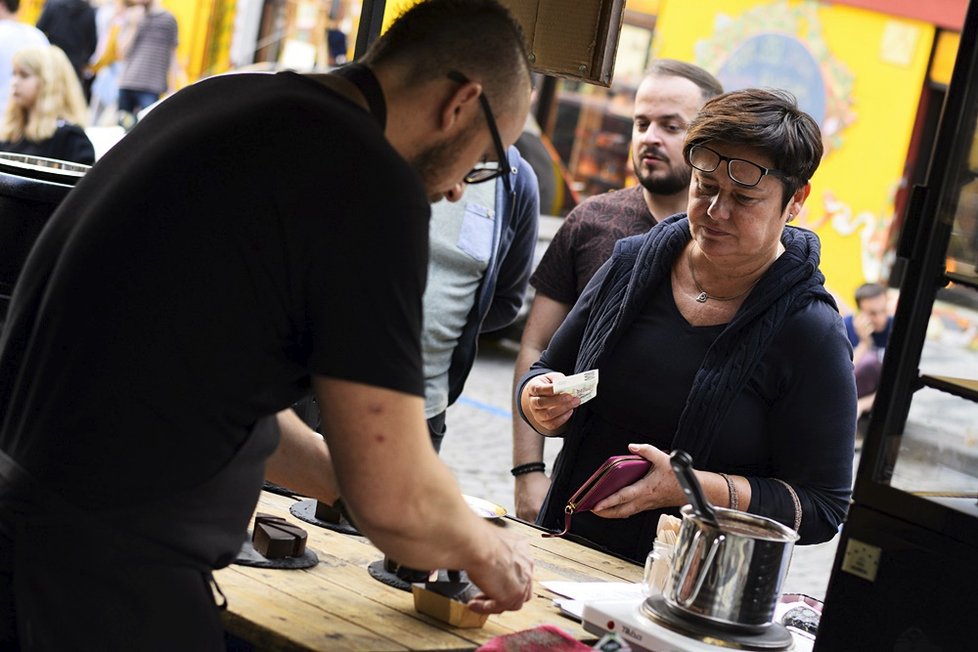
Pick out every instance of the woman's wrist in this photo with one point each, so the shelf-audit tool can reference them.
(732, 498)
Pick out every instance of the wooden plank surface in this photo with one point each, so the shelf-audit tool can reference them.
(337, 605)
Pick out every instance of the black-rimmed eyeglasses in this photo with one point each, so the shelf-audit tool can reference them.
(741, 171)
(487, 171)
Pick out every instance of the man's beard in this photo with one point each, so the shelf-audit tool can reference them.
(432, 161)
(674, 182)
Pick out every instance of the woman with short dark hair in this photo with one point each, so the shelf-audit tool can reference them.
(713, 334)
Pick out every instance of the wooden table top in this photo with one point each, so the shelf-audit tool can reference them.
(337, 605)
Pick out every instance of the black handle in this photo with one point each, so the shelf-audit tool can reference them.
(682, 465)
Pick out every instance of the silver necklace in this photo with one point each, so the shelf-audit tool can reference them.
(704, 295)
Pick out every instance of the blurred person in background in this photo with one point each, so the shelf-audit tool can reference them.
(147, 44)
(47, 111)
(336, 43)
(869, 331)
(105, 65)
(14, 35)
(70, 24)
(531, 147)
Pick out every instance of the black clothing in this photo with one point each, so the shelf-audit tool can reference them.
(70, 24)
(336, 42)
(190, 284)
(536, 154)
(193, 281)
(364, 79)
(436, 430)
(68, 143)
(768, 396)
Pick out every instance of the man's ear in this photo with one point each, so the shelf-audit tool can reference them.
(458, 104)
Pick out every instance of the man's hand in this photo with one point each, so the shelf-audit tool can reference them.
(863, 326)
(506, 579)
(531, 490)
(406, 501)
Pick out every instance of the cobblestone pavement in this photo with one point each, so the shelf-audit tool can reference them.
(478, 444)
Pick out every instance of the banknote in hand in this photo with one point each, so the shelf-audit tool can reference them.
(583, 385)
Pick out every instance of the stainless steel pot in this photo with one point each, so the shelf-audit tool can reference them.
(729, 574)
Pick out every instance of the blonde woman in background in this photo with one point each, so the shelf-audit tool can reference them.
(46, 111)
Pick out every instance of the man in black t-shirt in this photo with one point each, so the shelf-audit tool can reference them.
(256, 235)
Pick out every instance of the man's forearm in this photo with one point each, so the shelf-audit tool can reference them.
(399, 492)
(302, 461)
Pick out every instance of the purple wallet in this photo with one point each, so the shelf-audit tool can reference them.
(617, 472)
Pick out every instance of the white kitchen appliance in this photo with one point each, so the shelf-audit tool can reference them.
(650, 626)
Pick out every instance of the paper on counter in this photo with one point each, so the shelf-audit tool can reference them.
(575, 594)
(583, 385)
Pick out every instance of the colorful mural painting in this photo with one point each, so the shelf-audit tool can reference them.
(863, 91)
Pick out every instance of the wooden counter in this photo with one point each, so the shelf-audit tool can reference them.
(337, 605)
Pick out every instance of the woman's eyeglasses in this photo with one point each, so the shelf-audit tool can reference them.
(741, 171)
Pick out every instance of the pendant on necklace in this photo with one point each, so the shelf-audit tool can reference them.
(702, 297)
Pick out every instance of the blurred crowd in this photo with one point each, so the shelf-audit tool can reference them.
(83, 64)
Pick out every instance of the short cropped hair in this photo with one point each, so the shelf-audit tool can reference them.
(768, 119)
(868, 291)
(709, 85)
(478, 38)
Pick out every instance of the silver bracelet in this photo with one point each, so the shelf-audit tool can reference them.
(731, 492)
(794, 499)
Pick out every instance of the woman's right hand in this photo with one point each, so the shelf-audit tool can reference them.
(547, 412)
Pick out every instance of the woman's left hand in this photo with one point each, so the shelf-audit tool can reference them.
(657, 489)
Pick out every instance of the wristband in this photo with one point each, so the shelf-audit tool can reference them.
(529, 467)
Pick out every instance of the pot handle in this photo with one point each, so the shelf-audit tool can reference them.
(714, 547)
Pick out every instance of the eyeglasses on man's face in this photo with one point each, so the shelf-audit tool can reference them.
(740, 171)
(489, 170)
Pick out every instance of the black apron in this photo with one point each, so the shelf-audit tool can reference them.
(137, 578)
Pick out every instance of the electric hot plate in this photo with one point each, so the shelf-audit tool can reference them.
(645, 629)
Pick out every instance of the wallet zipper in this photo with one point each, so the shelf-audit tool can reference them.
(572, 504)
